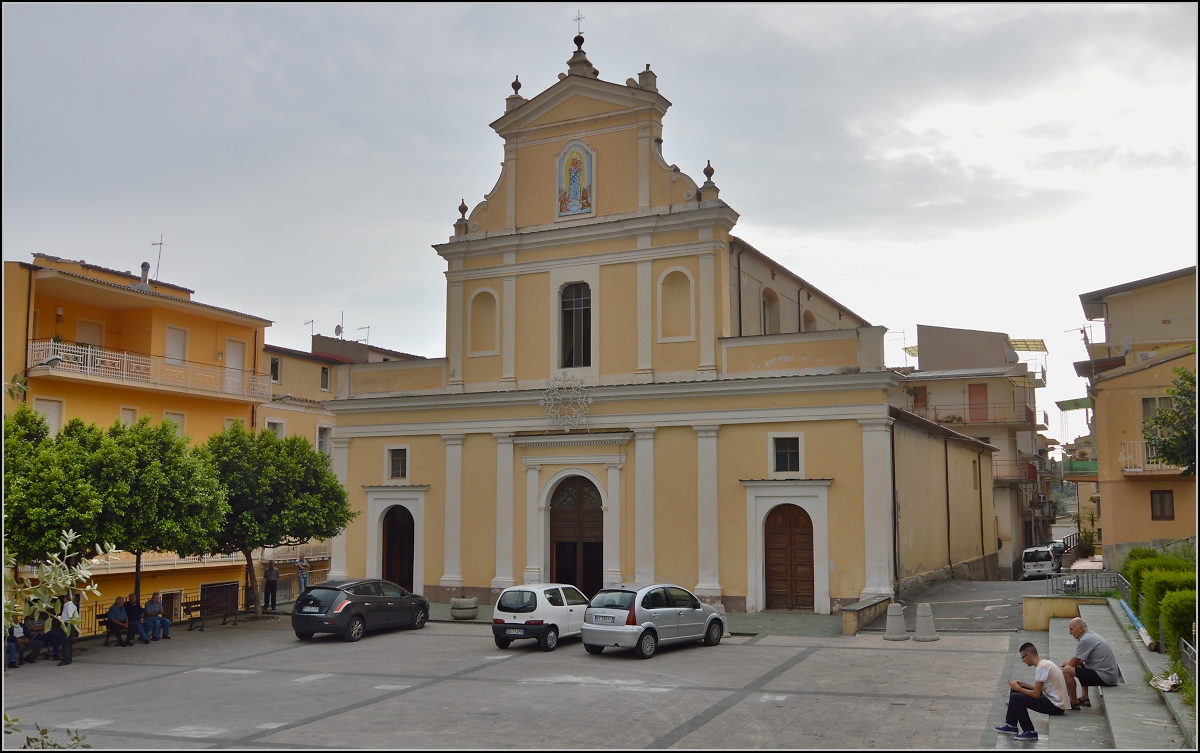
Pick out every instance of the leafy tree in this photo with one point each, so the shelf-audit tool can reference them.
(1171, 432)
(47, 485)
(157, 494)
(280, 493)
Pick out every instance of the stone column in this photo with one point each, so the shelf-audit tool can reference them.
(340, 461)
(645, 323)
(508, 351)
(510, 184)
(877, 506)
(643, 492)
(644, 166)
(612, 526)
(708, 359)
(452, 559)
(504, 512)
(455, 382)
(709, 585)
(533, 527)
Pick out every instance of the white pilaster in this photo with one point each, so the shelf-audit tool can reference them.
(510, 185)
(877, 505)
(708, 360)
(452, 560)
(644, 504)
(709, 584)
(504, 512)
(508, 357)
(612, 526)
(644, 166)
(455, 383)
(533, 527)
(645, 283)
(340, 461)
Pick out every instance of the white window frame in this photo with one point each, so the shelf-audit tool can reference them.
(279, 360)
(387, 464)
(691, 336)
(136, 414)
(80, 319)
(182, 424)
(471, 352)
(326, 371)
(62, 411)
(560, 278)
(317, 438)
(771, 472)
(281, 423)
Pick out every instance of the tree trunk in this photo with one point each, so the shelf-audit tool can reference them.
(137, 578)
(249, 555)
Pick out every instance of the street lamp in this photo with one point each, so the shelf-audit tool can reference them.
(19, 384)
(51, 361)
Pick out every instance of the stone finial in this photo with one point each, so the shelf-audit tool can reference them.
(647, 80)
(709, 190)
(462, 209)
(708, 171)
(461, 225)
(579, 65)
(514, 100)
(516, 85)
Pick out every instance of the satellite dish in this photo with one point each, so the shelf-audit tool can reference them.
(1010, 356)
(337, 330)
(1125, 346)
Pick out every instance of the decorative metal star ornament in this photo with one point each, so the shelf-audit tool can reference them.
(566, 402)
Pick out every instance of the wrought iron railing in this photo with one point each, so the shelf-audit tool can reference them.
(1187, 655)
(1135, 458)
(287, 590)
(972, 413)
(140, 368)
(1014, 470)
(1087, 582)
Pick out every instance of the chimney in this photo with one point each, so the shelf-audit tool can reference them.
(144, 284)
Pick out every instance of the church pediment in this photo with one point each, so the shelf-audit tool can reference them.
(576, 98)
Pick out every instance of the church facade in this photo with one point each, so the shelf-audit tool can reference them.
(631, 392)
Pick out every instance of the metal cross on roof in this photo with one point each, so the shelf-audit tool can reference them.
(578, 22)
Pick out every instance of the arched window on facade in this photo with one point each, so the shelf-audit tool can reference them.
(675, 306)
(483, 328)
(809, 323)
(576, 332)
(770, 312)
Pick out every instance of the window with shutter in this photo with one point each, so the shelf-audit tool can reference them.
(176, 346)
(51, 410)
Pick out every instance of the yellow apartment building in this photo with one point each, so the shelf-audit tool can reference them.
(1149, 330)
(106, 345)
(631, 392)
(971, 381)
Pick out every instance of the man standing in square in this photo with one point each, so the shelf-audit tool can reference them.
(302, 573)
(270, 585)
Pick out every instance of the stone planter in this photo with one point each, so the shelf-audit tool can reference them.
(466, 608)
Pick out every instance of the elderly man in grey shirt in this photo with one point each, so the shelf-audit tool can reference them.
(1093, 663)
(270, 585)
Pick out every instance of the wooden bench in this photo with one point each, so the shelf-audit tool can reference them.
(202, 609)
(109, 631)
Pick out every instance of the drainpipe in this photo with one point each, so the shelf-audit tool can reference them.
(800, 318)
(946, 464)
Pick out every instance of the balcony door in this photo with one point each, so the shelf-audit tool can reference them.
(977, 397)
(235, 366)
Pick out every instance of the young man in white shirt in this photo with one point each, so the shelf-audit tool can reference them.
(69, 611)
(1047, 695)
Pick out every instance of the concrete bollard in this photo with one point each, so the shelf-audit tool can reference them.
(925, 629)
(895, 630)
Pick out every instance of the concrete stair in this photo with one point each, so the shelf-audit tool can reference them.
(1085, 729)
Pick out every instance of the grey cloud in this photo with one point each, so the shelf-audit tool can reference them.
(1050, 130)
(1082, 160)
(1170, 159)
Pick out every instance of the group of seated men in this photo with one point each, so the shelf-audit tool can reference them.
(144, 621)
(25, 641)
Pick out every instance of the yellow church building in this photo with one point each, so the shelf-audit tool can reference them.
(630, 392)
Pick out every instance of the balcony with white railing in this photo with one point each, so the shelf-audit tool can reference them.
(89, 362)
(1135, 459)
(977, 413)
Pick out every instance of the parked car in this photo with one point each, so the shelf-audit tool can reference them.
(545, 612)
(643, 617)
(352, 607)
(1040, 561)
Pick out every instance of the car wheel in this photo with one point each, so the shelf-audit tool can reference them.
(549, 640)
(592, 649)
(354, 630)
(712, 636)
(420, 617)
(646, 645)
(502, 642)
(304, 636)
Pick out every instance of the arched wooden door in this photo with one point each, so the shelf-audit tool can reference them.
(577, 535)
(398, 546)
(788, 538)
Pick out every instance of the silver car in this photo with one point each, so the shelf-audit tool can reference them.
(642, 617)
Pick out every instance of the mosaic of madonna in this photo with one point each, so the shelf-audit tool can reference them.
(575, 181)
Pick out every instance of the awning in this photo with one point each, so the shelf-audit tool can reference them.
(1076, 404)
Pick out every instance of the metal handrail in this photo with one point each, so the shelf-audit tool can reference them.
(1135, 458)
(160, 371)
(969, 413)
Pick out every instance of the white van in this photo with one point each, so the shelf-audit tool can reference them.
(1041, 561)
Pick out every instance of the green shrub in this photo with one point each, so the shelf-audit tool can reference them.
(1155, 585)
(1178, 610)
(1137, 553)
(1138, 567)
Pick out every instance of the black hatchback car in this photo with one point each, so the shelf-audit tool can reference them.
(352, 607)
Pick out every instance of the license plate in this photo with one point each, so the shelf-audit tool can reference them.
(310, 610)
(515, 631)
(603, 618)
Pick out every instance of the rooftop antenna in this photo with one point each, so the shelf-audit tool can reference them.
(340, 328)
(313, 328)
(368, 329)
(160, 244)
(578, 21)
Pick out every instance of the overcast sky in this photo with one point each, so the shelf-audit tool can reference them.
(966, 166)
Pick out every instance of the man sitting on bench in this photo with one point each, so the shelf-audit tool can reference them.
(118, 621)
